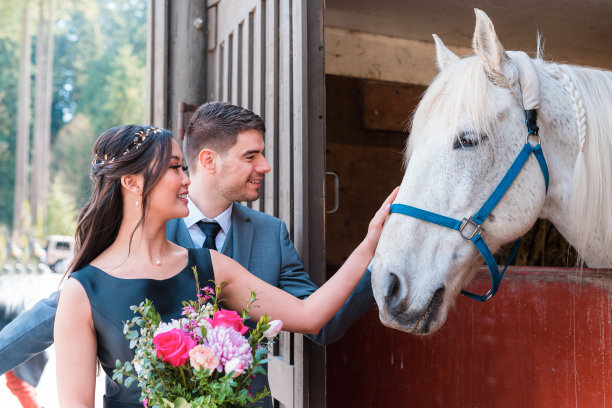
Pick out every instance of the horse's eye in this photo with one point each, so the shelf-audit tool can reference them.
(466, 140)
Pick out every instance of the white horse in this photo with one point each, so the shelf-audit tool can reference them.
(466, 132)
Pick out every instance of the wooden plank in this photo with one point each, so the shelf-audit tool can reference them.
(300, 372)
(281, 384)
(363, 55)
(236, 78)
(160, 64)
(187, 54)
(271, 104)
(214, 60)
(285, 354)
(387, 106)
(211, 15)
(221, 60)
(314, 257)
(299, 83)
(285, 130)
(246, 63)
(257, 80)
(231, 14)
(227, 68)
(258, 46)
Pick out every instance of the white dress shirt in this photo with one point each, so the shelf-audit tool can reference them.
(197, 236)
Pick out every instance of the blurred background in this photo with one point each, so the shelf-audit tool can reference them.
(69, 69)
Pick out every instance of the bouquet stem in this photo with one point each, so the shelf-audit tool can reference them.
(183, 375)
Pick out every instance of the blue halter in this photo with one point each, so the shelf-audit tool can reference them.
(469, 228)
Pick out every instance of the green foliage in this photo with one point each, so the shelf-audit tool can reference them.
(72, 157)
(99, 74)
(62, 212)
(9, 77)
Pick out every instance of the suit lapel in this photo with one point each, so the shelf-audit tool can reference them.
(242, 239)
(182, 235)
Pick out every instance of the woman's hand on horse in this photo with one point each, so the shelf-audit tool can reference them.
(376, 225)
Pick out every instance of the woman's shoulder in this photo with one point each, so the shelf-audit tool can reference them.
(83, 272)
(73, 294)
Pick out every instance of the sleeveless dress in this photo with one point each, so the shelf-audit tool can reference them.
(110, 300)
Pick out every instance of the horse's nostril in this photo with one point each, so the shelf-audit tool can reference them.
(392, 289)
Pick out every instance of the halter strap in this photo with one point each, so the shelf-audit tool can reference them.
(474, 232)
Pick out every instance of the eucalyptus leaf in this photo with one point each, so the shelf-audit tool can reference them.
(181, 403)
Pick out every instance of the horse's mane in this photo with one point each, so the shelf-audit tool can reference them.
(465, 104)
(590, 91)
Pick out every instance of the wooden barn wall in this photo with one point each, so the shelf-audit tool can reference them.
(267, 56)
(543, 340)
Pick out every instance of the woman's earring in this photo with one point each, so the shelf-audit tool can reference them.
(137, 202)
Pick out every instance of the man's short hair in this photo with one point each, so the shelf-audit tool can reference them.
(215, 126)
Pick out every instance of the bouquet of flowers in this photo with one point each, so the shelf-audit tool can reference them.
(206, 359)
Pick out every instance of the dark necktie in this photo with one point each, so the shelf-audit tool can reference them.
(210, 229)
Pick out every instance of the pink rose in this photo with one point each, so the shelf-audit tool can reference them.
(202, 357)
(173, 347)
(228, 318)
(275, 328)
(236, 366)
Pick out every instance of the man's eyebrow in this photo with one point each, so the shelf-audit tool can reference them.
(249, 152)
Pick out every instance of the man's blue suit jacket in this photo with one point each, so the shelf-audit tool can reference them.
(261, 244)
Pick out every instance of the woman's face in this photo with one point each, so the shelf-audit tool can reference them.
(168, 198)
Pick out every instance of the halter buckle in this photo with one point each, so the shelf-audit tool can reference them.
(532, 136)
(476, 228)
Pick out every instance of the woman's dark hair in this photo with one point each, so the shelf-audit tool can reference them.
(122, 150)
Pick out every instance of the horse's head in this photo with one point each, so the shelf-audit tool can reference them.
(465, 134)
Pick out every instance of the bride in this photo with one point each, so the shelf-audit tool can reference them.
(123, 257)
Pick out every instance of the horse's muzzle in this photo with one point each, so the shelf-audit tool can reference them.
(400, 315)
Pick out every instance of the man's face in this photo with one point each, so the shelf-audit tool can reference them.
(241, 169)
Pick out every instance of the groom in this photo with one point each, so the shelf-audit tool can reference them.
(224, 150)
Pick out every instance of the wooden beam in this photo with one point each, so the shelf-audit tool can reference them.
(187, 43)
(371, 56)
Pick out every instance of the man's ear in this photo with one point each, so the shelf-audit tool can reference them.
(133, 183)
(207, 160)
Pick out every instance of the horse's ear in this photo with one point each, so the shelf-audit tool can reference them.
(486, 44)
(444, 56)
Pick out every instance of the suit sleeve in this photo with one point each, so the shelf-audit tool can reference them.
(293, 279)
(29, 334)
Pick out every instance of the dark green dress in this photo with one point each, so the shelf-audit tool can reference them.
(110, 300)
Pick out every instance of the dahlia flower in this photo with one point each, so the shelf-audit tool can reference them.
(228, 344)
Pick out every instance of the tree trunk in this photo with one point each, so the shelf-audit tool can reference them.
(23, 125)
(39, 124)
(48, 103)
(42, 113)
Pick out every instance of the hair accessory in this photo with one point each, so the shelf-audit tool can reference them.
(139, 139)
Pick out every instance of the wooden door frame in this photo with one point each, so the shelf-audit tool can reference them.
(177, 30)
